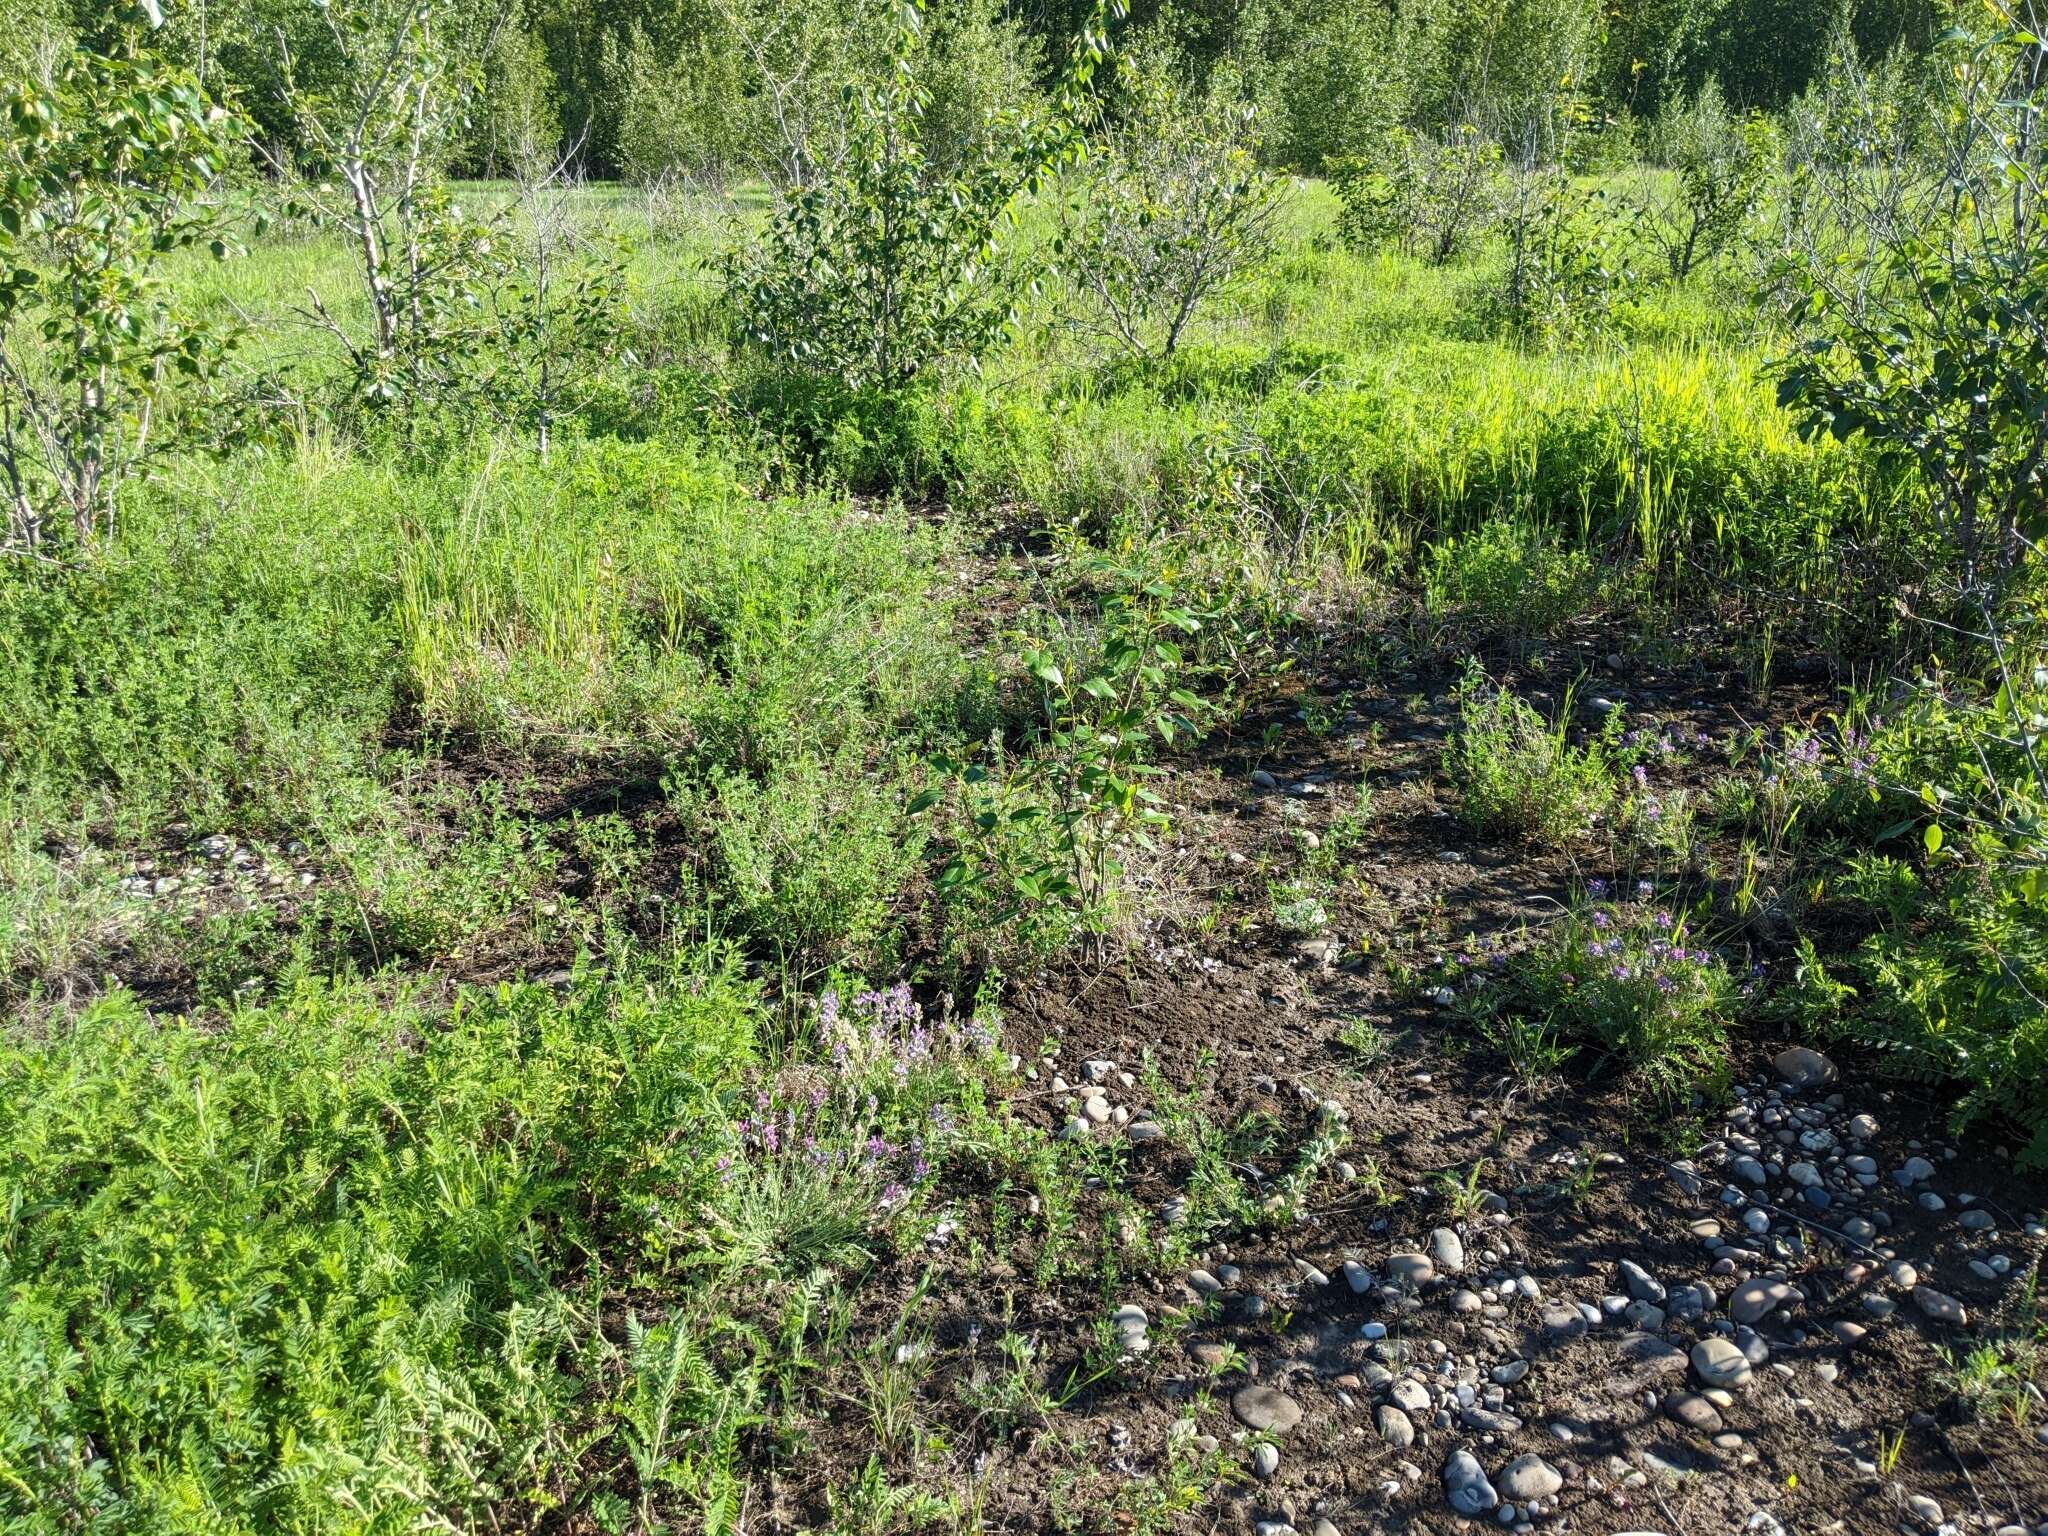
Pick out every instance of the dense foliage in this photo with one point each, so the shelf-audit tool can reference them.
(713, 87)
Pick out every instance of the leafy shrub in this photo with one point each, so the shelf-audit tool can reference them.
(1435, 194)
(1518, 773)
(1100, 705)
(811, 860)
(985, 67)
(1921, 317)
(376, 116)
(105, 171)
(888, 260)
(1333, 74)
(553, 311)
(1949, 989)
(1723, 162)
(998, 898)
(337, 1270)
(865, 439)
(1169, 211)
(1960, 1003)
(1570, 255)
(681, 110)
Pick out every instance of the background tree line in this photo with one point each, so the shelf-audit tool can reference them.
(713, 89)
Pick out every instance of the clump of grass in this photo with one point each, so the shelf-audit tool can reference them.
(1996, 1377)
(1366, 1042)
(61, 911)
(635, 598)
(1521, 775)
(1506, 577)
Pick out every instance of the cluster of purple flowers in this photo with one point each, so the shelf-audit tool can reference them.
(1652, 806)
(1804, 759)
(811, 1132)
(1635, 946)
(771, 1133)
(1666, 741)
(1631, 942)
(1495, 959)
(888, 1029)
(1598, 889)
(1859, 759)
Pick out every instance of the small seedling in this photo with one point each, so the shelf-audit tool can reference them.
(1364, 1039)
(1889, 1448)
(1464, 1196)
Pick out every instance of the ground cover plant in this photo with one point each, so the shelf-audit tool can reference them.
(877, 768)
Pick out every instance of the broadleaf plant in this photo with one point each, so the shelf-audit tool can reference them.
(108, 169)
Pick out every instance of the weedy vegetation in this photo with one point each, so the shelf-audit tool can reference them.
(591, 598)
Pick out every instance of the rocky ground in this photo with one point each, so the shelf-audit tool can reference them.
(1535, 1314)
(1747, 1340)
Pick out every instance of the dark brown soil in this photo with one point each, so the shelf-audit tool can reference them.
(1240, 1016)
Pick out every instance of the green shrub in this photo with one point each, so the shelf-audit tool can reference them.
(107, 168)
(1435, 194)
(1518, 773)
(1169, 212)
(1102, 700)
(1948, 990)
(1333, 73)
(1506, 576)
(1626, 977)
(1723, 163)
(1570, 256)
(811, 862)
(887, 258)
(996, 915)
(682, 110)
(229, 658)
(1959, 1003)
